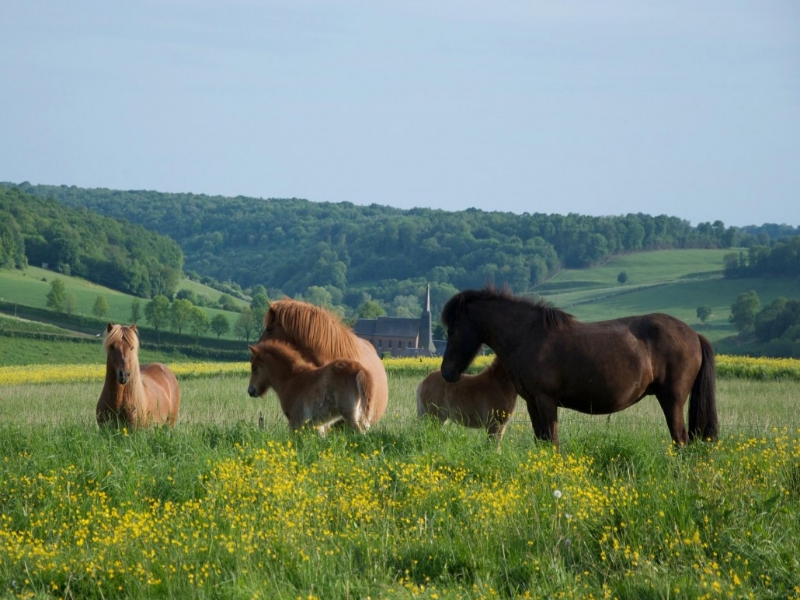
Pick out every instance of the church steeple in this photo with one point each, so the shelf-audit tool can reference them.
(428, 300)
(426, 327)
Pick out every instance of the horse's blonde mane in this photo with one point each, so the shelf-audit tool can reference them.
(313, 329)
(134, 389)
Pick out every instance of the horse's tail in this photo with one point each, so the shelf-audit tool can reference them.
(365, 386)
(420, 405)
(703, 403)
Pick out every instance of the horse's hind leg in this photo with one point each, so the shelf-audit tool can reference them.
(672, 405)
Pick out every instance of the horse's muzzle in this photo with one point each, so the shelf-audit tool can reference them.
(252, 391)
(450, 375)
(123, 376)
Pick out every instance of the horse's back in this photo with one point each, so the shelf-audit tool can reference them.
(347, 382)
(473, 400)
(604, 366)
(163, 390)
(671, 344)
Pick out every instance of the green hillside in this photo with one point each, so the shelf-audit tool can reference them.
(30, 332)
(30, 287)
(290, 245)
(672, 281)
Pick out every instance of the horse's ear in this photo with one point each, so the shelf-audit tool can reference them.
(109, 327)
(253, 350)
(133, 327)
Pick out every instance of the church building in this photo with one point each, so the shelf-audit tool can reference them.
(401, 336)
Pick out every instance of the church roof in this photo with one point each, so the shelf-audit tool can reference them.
(387, 327)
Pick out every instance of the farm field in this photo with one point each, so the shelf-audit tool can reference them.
(30, 287)
(671, 281)
(220, 507)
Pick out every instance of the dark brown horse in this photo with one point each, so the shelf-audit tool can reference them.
(135, 396)
(321, 337)
(486, 400)
(595, 368)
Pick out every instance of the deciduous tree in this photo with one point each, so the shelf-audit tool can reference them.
(180, 314)
(57, 296)
(703, 313)
(220, 325)
(157, 313)
(744, 310)
(100, 307)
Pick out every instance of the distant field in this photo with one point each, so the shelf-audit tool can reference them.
(671, 281)
(30, 287)
(14, 324)
(24, 351)
(644, 268)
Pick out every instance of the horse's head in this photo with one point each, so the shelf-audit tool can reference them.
(122, 346)
(259, 372)
(273, 325)
(463, 338)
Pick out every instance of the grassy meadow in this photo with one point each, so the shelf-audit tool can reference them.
(222, 506)
(230, 504)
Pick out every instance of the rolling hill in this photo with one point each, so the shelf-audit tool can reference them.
(671, 281)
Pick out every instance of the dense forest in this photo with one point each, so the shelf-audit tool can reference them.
(782, 257)
(340, 250)
(77, 241)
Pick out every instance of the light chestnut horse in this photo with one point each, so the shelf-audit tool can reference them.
(320, 337)
(485, 400)
(135, 396)
(310, 395)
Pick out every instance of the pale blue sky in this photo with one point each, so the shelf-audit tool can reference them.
(683, 108)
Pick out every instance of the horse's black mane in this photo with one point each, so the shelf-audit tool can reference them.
(551, 317)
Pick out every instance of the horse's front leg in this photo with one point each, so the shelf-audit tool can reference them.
(544, 418)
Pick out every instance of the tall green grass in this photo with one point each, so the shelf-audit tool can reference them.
(220, 508)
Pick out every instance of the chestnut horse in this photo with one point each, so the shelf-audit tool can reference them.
(557, 361)
(483, 400)
(321, 337)
(132, 396)
(317, 396)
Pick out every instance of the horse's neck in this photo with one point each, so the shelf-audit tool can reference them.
(287, 370)
(496, 370)
(504, 327)
(120, 395)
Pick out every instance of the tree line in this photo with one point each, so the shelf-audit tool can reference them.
(776, 325)
(781, 257)
(83, 243)
(347, 255)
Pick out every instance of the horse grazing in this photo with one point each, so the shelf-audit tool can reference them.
(557, 361)
(320, 337)
(483, 400)
(135, 396)
(319, 396)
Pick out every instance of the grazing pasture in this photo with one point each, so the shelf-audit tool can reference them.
(223, 506)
